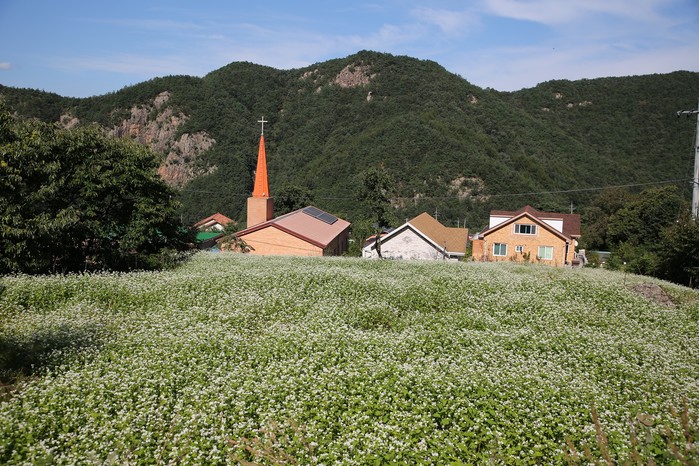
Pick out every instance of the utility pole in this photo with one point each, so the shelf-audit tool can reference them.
(695, 179)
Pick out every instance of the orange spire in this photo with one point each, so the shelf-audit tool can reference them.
(261, 185)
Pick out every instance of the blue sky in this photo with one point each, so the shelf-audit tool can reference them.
(84, 48)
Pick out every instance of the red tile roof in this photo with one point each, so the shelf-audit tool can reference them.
(212, 219)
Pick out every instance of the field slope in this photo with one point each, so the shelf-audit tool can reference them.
(340, 360)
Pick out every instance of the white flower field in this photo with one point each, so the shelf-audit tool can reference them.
(235, 358)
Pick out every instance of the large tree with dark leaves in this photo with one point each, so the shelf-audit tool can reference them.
(79, 200)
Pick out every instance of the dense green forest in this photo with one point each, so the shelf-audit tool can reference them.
(78, 200)
(451, 147)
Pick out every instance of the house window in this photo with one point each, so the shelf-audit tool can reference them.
(519, 248)
(500, 249)
(525, 229)
(545, 253)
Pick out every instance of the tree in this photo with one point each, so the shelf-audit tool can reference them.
(79, 200)
(642, 220)
(377, 185)
(679, 252)
(635, 232)
(292, 197)
(361, 230)
(595, 217)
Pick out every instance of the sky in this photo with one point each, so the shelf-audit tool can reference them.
(79, 48)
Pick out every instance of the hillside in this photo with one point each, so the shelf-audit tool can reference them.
(345, 361)
(450, 145)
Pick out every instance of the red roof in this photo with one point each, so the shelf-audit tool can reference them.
(571, 222)
(213, 219)
(303, 226)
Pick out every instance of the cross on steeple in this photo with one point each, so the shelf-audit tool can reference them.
(263, 121)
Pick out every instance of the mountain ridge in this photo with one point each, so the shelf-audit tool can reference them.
(451, 146)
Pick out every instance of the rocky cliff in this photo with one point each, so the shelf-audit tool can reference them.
(157, 125)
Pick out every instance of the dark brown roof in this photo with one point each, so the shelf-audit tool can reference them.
(571, 222)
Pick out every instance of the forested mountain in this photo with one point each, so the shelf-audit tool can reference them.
(450, 146)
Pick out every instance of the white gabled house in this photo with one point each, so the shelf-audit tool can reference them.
(422, 237)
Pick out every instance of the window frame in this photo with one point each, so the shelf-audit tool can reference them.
(531, 228)
(499, 247)
(546, 248)
(519, 249)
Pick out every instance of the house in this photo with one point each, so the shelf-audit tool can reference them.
(305, 232)
(215, 222)
(529, 235)
(422, 237)
(210, 230)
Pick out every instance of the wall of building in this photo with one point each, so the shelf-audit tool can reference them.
(338, 246)
(260, 209)
(530, 244)
(406, 245)
(274, 242)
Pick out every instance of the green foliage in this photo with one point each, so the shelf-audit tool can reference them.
(679, 252)
(642, 220)
(428, 126)
(650, 233)
(377, 189)
(77, 200)
(235, 358)
(596, 217)
(290, 198)
(649, 443)
(361, 229)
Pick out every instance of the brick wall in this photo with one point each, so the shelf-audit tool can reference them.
(530, 246)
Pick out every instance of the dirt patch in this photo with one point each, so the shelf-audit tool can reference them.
(654, 293)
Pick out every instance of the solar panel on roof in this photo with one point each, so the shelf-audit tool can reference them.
(327, 218)
(320, 215)
(312, 211)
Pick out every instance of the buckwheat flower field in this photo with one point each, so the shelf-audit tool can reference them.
(234, 358)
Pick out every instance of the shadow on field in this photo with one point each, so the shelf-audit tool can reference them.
(25, 355)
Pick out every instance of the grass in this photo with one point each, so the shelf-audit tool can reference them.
(234, 358)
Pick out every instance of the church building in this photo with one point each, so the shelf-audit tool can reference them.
(305, 232)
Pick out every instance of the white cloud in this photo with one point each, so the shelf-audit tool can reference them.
(514, 68)
(129, 64)
(5, 65)
(556, 12)
(448, 21)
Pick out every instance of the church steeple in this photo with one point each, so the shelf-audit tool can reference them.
(261, 188)
(260, 205)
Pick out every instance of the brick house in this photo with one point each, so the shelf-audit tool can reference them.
(529, 235)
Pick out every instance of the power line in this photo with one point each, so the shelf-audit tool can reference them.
(530, 193)
(564, 191)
